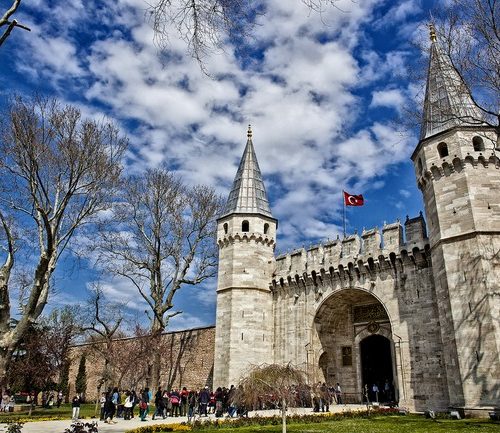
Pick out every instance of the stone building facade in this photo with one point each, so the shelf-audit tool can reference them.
(416, 304)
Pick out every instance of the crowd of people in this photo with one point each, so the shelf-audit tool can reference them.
(167, 403)
(164, 403)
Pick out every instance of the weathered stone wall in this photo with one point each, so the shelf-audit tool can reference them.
(187, 360)
(462, 199)
(244, 302)
(314, 299)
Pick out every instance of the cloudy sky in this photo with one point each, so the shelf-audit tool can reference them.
(322, 92)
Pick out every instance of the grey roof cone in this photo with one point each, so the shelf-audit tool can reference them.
(448, 102)
(248, 194)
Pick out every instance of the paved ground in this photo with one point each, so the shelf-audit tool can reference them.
(122, 425)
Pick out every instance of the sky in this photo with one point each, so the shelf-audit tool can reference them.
(323, 93)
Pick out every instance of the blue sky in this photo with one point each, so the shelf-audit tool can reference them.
(322, 94)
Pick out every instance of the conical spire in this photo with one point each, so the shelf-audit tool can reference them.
(448, 102)
(248, 194)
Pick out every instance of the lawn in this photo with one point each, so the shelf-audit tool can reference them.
(64, 412)
(376, 424)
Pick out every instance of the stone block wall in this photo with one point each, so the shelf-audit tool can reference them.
(187, 360)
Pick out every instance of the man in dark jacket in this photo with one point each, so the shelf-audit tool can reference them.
(203, 400)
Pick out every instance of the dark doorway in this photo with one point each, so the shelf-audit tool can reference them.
(376, 367)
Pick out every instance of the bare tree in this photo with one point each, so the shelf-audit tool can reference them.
(104, 321)
(57, 173)
(204, 24)
(165, 239)
(469, 34)
(5, 20)
(271, 383)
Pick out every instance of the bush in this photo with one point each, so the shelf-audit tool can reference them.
(14, 427)
(156, 428)
(276, 420)
(82, 427)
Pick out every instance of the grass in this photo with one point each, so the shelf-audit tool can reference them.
(376, 424)
(40, 414)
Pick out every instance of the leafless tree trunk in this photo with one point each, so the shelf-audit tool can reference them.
(104, 323)
(166, 239)
(6, 21)
(57, 173)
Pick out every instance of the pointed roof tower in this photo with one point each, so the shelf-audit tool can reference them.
(248, 194)
(448, 102)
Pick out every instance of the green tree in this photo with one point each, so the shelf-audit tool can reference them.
(81, 377)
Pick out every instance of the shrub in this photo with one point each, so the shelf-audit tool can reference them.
(156, 428)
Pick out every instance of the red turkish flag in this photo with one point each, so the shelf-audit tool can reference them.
(353, 200)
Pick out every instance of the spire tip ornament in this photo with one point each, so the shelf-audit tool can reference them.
(249, 132)
(432, 32)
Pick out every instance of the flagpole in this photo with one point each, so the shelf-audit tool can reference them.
(343, 213)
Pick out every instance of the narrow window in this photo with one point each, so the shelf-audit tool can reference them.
(478, 144)
(225, 228)
(442, 149)
(346, 356)
(245, 226)
(266, 228)
(420, 166)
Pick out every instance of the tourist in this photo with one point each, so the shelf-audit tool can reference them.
(129, 402)
(203, 400)
(144, 404)
(375, 392)
(219, 398)
(59, 399)
(159, 405)
(175, 401)
(75, 404)
(102, 402)
(135, 401)
(109, 408)
(338, 393)
(192, 400)
(387, 391)
(184, 401)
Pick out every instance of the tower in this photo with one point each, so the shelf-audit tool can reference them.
(458, 174)
(246, 235)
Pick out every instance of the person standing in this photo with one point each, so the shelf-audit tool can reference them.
(184, 401)
(75, 404)
(127, 406)
(144, 405)
(59, 399)
(203, 400)
(338, 393)
(375, 392)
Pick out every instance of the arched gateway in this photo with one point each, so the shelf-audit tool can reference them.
(355, 337)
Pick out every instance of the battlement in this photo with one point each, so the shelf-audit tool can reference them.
(355, 249)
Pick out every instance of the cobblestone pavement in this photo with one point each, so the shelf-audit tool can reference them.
(121, 425)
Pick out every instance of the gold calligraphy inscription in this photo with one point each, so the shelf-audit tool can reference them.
(369, 313)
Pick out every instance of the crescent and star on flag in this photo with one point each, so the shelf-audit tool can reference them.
(353, 200)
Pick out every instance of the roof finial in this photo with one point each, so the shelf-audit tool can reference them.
(249, 132)
(432, 32)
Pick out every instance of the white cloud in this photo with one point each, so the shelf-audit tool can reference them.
(392, 98)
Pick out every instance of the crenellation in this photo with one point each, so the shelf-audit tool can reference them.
(415, 230)
(351, 246)
(392, 237)
(364, 251)
(372, 242)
